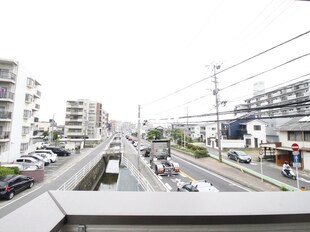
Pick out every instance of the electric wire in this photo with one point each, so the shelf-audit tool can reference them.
(230, 67)
(268, 70)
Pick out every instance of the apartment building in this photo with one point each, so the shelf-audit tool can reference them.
(282, 103)
(85, 119)
(19, 108)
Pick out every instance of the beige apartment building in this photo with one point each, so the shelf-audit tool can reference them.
(85, 119)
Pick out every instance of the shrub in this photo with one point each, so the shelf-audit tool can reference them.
(201, 153)
(6, 171)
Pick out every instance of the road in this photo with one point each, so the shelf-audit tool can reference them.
(271, 170)
(190, 172)
(68, 166)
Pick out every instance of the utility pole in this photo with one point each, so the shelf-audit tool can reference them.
(139, 137)
(215, 92)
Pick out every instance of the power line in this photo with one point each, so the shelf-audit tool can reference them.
(229, 101)
(230, 67)
(268, 70)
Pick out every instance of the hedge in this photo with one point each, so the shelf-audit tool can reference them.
(6, 171)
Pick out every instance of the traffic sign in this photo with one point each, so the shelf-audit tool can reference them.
(296, 159)
(295, 147)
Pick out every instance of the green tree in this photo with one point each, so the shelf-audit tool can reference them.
(45, 134)
(154, 134)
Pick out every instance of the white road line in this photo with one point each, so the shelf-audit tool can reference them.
(20, 197)
(168, 186)
(217, 175)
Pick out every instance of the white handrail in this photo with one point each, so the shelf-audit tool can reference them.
(138, 175)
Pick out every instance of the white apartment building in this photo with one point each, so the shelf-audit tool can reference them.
(280, 102)
(19, 97)
(284, 97)
(85, 119)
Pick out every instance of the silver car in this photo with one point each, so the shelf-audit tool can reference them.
(29, 161)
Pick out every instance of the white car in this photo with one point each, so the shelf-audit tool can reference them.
(196, 186)
(51, 153)
(48, 156)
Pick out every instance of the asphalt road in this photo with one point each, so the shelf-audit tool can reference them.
(69, 165)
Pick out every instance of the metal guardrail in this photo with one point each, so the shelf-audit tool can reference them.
(256, 174)
(135, 172)
(78, 177)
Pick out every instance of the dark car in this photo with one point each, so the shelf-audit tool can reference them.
(59, 151)
(13, 184)
(146, 151)
(239, 156)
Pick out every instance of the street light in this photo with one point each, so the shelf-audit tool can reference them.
(215, 92)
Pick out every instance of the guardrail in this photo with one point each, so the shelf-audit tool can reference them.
(135, 172)
(78, 177)
(256, 174)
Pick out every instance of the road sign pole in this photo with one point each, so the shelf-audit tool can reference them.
(261, 168)
(297, 177)
(261, 155)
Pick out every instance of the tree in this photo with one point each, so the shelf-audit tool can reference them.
(154, 134)
(45, 134)
(178, 136)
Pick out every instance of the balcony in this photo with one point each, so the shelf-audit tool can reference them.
(7, 76)
(5, 115)
(6, 96)
(4, 136)
(37, 94)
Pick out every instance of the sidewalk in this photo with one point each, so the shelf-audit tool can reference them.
(229, 172)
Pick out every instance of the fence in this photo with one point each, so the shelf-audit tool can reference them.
(135, 172)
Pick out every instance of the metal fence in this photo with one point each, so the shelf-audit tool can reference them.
(78, 177)
(138, 175)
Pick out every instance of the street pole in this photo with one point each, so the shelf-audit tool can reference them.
(139, 137)
(215, 92)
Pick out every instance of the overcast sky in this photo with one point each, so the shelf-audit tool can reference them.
(126, 53)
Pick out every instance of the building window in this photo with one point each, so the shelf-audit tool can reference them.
(25, 130)
(307, 136)
(27, 113)
(294, 136)
(257, 127)
(23, 147)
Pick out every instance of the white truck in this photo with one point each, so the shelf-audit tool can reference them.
(160, 158)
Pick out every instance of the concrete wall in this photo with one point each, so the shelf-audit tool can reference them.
(90, 181)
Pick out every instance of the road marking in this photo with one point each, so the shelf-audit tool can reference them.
(304, 180)
(188, 176)
(168, 186)
(159, 177)
(217, 175)
(20, 197)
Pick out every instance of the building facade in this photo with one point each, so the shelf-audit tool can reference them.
(19, 108)
(85, 119)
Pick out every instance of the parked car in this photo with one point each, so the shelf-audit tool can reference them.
(50, 152)
(29, 161)
(45, 161)
(239, 156)
(47, 156)
(196, 186)
(13, 184)
(146, 151)
(59, 151)
(42, 145)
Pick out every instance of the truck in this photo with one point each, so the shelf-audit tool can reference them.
(160, 158)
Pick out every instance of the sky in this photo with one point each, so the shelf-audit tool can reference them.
(125, 53)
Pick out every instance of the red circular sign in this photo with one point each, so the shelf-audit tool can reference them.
(295, 147)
